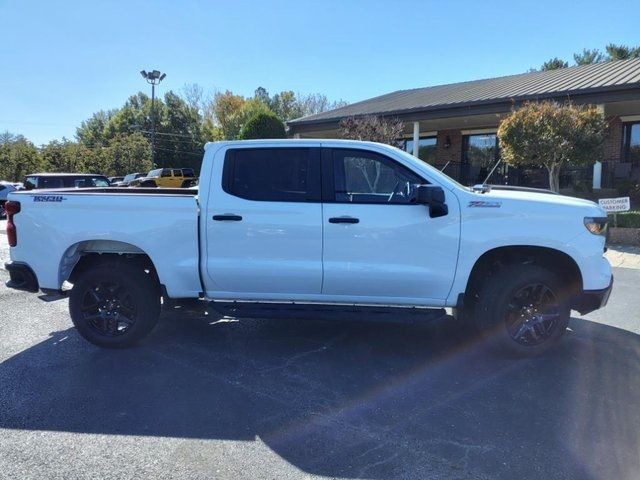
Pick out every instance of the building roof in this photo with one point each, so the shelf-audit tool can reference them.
(581, 79)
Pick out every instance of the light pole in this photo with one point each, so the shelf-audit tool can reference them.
(153, 77)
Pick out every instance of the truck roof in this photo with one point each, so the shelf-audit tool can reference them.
(298, 141)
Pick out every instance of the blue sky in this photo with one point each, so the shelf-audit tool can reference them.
(62, 61)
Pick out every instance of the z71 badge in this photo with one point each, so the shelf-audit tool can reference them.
(48, 198)
(485, 204)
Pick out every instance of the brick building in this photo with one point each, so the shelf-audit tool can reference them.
(454, 126)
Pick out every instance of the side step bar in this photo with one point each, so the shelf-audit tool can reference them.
(327, 312)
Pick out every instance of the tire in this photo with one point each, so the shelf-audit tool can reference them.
(523, 310)
(148, 184)
(114, 304)
(3, 213)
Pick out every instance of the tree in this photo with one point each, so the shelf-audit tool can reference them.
(91, 132)
(588, 57)
(621, 52)
(126, 154)
(554, 64)
(552, 135)
(18, 157)
(287, 106)
(67, 156)
(227, 109)
(263, 125)
(262, 95)
(373, 129)
(318, 103)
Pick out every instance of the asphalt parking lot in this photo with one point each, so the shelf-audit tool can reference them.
(205, 397)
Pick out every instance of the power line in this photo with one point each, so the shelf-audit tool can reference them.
(181, 151)
(168, 134)
(179, 141)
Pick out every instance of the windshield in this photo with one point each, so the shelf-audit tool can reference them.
(434, 171)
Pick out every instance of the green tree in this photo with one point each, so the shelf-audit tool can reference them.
(180, 129)
(286, 105)
(621, 52)
(126, 154)
(262, 95)
(554, 64)
(91, 132)
(18, 157)
(67, 156)
(262, 125)
(552, 135)
(588, 57)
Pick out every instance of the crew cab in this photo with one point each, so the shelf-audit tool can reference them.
(314, 226)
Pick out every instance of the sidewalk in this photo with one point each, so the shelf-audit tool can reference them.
(621, 256)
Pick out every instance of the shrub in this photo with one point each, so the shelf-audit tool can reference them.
(262, 125)
(627, 219)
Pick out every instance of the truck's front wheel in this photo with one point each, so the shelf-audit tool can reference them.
(114, 304)
(523, 309)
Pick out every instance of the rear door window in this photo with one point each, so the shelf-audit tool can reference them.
(273, 174)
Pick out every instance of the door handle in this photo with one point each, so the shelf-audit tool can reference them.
(343, 220)
(228, 218)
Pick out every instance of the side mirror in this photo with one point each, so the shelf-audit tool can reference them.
(432, 196)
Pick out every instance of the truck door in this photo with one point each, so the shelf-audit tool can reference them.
(264, 225)
(378, 246)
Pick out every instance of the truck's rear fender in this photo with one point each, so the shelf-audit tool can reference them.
(77, 251)
(87, 254)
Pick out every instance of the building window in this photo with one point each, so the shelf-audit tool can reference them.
(426, 148)
(631, 143)
(479, 155)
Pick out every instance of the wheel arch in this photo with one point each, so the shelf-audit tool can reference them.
(491, 261)
(86, 253)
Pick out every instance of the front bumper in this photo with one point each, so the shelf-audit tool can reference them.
(21, 277)
(590, 300)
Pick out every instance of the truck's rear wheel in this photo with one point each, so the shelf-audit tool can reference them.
(523, 309)
(114, 304)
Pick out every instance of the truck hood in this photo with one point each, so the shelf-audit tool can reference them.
(538, 197)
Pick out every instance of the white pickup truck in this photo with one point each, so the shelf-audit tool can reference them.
(313, 224)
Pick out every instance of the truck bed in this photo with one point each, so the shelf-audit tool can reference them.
(159, 222)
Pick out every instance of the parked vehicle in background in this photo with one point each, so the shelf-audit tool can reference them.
(167, 178)
(5, 189)
(315, 226)
(65, 180)
(114, 180)
(128, 178)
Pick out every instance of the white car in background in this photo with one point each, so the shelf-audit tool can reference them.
(5, 189)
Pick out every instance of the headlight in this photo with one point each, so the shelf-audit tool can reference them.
(596, 225)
